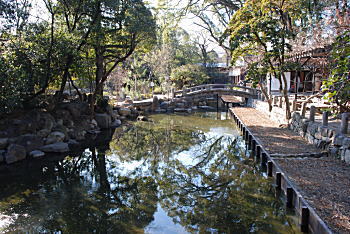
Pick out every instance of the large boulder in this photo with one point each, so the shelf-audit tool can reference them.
(59, 147)
(3, 143)
(47, 121)
(43, 133)
(103, 120)
(15, 153)
(55, 137)
(61, 128)
(30, 142)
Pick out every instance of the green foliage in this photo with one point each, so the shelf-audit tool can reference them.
(189, 75)
(337, 86)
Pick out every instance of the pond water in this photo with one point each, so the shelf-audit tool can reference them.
(173, 174)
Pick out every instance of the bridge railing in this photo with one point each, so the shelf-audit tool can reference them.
(216, 87)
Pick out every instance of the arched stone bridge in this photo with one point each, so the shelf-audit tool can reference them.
(218, 89)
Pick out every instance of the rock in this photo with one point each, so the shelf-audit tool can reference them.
(103, 120)
(15, 153)
(180, 110)
(347, 156)
(164, 105)
(55, 137)
(334, 151)
(207, 107)
(73, 145)
(43, 133)
(115, 114)
(161, 110)
(36, 154)
(3, 143)
(59, 122)
(59, 147)
(346, 142)
(318, 135)
(61, 128)
(69, 123)
(124, 111)
(47, 121)
(142, 118)
(93, 124)
(312, 128)
(338, 139)
(116, 123)
(180, 105)
(30, 142)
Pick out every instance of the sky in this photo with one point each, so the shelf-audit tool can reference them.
(187, 23)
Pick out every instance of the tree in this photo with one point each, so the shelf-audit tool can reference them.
(337, 86)
(189, 75)
(263, 29)
(214, 17)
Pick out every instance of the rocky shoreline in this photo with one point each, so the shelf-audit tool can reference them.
(37, 133)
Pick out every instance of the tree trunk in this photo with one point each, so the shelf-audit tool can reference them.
(285, 95)
(266, 95)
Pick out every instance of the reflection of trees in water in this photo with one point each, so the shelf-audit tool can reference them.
(79, 195)
(89, 192)
(149, 141)
(220, 192)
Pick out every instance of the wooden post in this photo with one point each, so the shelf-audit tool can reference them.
(217, 102)
(246, 135)
(289, 202)
(325, 118)
(263, 160)
(258, 152)
(303, 109)
(250, 142)
(312, 113)
(344, 123)
(294, 105)
(253, 146)
(278, 180)
(269, 168)
(280, 102)
(304, 222)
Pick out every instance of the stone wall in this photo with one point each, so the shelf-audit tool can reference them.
(324, 137)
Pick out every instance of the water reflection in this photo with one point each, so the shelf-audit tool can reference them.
(171, 175)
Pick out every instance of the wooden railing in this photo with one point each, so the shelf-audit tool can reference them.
(217, 87)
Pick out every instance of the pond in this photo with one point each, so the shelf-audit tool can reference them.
(172, 174)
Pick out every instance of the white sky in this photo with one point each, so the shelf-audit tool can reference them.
(40, 12)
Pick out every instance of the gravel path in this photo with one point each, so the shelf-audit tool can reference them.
(275, 140)
(325, 184)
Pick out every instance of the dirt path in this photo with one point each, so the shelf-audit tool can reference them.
(323, 182)
(275, 140)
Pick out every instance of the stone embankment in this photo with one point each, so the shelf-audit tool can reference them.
(323, 136)
(37, 133)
